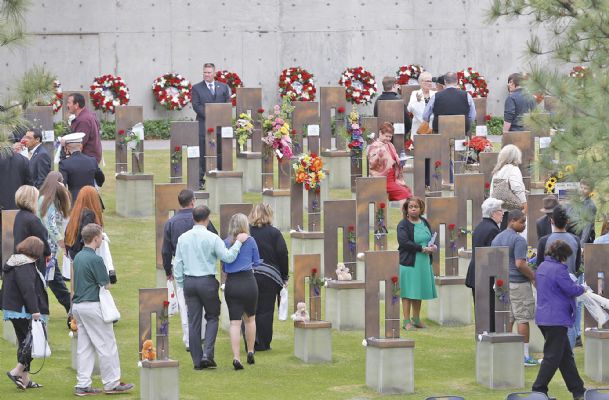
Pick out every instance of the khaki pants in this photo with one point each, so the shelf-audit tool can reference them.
(95, 335)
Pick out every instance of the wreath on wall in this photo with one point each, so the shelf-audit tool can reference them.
(409, 74)
(57, 100)
(232, 80)
(579, 71)
(108, 92)
(172, 91)
(297, 83)
(360, 85)
(472, 82)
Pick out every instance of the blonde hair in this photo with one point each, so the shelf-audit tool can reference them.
(26, 198)
(238, 224)
(261, 214)
(424, 74)
(509, 154)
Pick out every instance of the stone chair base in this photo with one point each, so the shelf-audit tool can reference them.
(390, 365)
(135, 195)
(159, 380)
(339, 165)
(499, 361)
(279, 200)
(222, 186)
(250, 163)
(453, 307)
(345, 305)
(596, 354)
(313, 341)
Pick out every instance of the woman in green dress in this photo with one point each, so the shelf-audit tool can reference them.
(416, 275)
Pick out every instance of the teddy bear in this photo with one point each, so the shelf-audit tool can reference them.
(148, 351)
(301, 313)
(342, 272)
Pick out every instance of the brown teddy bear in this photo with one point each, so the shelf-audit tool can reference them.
(148, 351)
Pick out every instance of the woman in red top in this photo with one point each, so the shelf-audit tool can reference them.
(383, 160)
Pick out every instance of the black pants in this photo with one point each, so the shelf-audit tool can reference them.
(557, 354)
(59, 289)
(202, 292)
(267, 297)
(22, 327)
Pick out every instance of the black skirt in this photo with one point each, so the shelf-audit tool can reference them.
(241, 294)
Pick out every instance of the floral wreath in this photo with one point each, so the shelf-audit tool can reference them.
(297, 83)
(579, 71)
(472, 82)
(172, 91)
(360, 85)
(108, 92)
(408, 73)
(232, 80)
(308, 171)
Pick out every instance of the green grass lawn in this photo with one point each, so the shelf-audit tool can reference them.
(444, 357)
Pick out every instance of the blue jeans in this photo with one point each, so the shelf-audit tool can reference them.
(576, 330)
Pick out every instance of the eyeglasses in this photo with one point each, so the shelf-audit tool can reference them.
(428, 81)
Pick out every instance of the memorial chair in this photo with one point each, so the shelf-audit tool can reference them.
(597, 394)
(527, 396)
(445, 398)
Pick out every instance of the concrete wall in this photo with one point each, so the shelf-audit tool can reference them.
(141, 39)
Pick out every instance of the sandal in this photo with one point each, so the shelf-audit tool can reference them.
(407, 325)
(16, 380)
(33, 385)
(417, 322)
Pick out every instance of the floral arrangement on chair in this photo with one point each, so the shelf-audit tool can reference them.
(277, 130)
(176, 158)
(244, 127)
(308, 171)
(316, 281)
(477, 145)
(501, 292)
(395, 290)
(355, 137)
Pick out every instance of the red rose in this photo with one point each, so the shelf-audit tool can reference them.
(313, 271)
(451, 227)
(487, 117)
(210, 130)
(165, 304)
(351, 228)
(382, 205)
(438, 163)
(499, 282)
(313, 155)
(487, 185)
(260, 110)
(178, 148)
(121, 132)
(341, 110)
(394, 279)
(293, 131)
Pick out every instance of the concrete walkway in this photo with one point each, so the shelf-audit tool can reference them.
(108, 145)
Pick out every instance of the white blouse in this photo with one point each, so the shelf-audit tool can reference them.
(514, 176)
(417, 107)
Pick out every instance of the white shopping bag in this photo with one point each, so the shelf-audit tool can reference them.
(104, 252)
(594, 308)
(172, 298)
(108, 308)
(283, 304)
(40, 344)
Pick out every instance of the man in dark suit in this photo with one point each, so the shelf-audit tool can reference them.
(450, 101)
(208, 91)
(79, 169)
(544, 224)
(390, 92)
(40, 160)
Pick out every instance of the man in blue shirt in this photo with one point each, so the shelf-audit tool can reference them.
(174, 228)
(194, 270)
(522, 302)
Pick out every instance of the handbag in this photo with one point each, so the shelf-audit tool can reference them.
(108, 308)
(502, 191)
(173, 307)
(40, 343)
(283, 305)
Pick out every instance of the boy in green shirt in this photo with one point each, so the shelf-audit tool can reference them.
(94, 335)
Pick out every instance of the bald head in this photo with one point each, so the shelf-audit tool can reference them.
(72, 147)
(450, 79)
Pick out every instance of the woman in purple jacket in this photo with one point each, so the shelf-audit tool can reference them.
(556, 293)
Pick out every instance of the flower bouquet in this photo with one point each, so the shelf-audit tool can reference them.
(244, 127)
(477, 145)
(308, 171)
(277, 130)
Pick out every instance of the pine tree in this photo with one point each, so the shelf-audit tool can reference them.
(35, 86)
(576, 33)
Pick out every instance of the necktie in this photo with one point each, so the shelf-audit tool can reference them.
(211, 89)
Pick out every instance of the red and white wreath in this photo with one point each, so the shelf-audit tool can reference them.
(108, 92)
(472, 82)
(57, 100)
(297, 83)
(579, 71)
(360, 84)
(409, 74)
(232, 80)
(172, 91)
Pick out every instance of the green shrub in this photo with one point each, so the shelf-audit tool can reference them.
(494, 126)
(153, 129)
(108, 130)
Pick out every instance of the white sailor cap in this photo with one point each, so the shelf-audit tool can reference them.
(75, 137)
